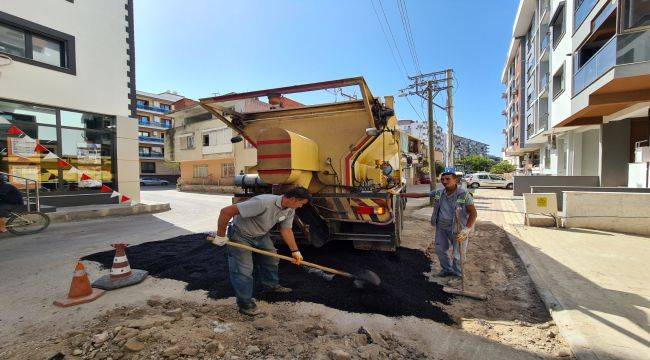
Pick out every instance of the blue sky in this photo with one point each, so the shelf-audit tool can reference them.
(205, 46)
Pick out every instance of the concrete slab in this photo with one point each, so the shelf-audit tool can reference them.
(595, 283)
(86, 212)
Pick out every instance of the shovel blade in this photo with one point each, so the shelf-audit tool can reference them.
(366, 277)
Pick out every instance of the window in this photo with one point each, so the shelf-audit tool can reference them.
(557, 25)
(145, 151)
(206, 139)
(190, 142)
(547, 158)
(35, 44)
(147, 168)
(141, 102)
(635, 13)
(227, 170)
(165, 107)
(558, 82)
(166, 122)
(86, 120)
(144, 119)
(483, 177)
(144, 133)
(187, 142)
(200, 171)
(497, 177)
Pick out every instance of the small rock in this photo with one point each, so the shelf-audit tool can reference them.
(77, 352)
(176, 313)
(316, 330)
(117, 329)
(154, 301)
(265, 323)
(172, 350)
(204, 309)
(101, 355)
(149, 322)
(77, 340)
(551, 334)
(544, 326)
(563, 353)
(298, 349)
(205, 333)
(125, 334)
(100, 338)
(134, 345)
(373, 337)
(371, 351)
(214, 347)
(190, 351)
(338, 354)
(252, 349)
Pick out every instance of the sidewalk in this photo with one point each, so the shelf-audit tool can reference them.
(595, 284)
(86, 212)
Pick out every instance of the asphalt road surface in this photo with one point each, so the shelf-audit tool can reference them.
(36, 269)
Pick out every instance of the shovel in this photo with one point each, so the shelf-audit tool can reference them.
(360, 279)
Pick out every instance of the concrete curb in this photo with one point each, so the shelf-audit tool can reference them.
(576, 340)
(80, 215)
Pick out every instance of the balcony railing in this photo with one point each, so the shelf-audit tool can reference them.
(599, 64)
(582, 12)
(544, 44)
(151, 139)
(154, 124)
(152, 155)
(633, 47)
(152, 108)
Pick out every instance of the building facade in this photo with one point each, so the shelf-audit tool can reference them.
(153, 123)
(67, 83)
(464, 147)
(587, 92)
(201, 144)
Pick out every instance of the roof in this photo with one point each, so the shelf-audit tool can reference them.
(165, 96)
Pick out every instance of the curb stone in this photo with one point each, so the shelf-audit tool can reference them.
(110, 212)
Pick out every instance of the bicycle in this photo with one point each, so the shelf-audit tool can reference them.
(25, 223)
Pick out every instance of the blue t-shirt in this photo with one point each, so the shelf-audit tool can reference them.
(10, 195)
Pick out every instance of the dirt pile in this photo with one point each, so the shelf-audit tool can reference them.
(404, 291)
(171, 329)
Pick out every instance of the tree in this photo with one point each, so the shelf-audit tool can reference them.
(476, 163)
(502, 168)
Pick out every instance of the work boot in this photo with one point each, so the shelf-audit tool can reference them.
(454, 281)
(251, 310)
(277, 289)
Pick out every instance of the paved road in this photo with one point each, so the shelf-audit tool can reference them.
(36, 269)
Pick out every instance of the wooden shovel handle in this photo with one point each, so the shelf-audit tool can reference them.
(288, 258)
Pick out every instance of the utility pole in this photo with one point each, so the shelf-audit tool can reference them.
(432, 141)
(427, 86)
(450, 118)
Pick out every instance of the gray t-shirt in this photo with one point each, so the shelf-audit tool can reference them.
(448, 209)
(259, 214)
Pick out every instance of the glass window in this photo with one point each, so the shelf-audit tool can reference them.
(636, 13)
(12, 41)
(227, 170)
(144, 133)
(200, 171)
(144, 118)
(142, 102)
(190, 142)
(148, 167)
(165, 107)
(206, 139)
(557, 25)
(47, 51)
(86, 120)
(27, 113)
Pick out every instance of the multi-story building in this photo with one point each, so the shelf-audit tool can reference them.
(153, 124)
(587, 76)
(420, 130)
(200, 143)
(68, 83)
(464, 147)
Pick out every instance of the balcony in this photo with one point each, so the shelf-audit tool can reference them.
(621, 49)
(582, 12)
(154, 124)
(543, 84)
(543, 46)
(152, 108)
(152, 155)
(151, 139)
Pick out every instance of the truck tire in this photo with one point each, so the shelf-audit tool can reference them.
(475, 185)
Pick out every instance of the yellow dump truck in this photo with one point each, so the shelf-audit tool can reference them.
(346, 152)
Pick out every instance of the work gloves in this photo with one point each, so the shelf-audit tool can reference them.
(463, 234)
(218, 240)
(297, 257)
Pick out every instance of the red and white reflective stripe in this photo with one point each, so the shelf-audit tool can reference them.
(119, 259)
(120, 270)
(78, 273)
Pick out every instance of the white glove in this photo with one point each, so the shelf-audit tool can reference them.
(463, 234)
(219, 240)
(297, 257)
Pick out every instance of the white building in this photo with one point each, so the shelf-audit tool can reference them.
(67, 80)
(586, 76)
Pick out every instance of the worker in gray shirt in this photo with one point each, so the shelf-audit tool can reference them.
(253, 219)
(453, 216)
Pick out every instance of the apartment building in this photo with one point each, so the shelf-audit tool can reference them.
(67, 83)
(464, 147)
(587, 85)
(153, 123)
(201, 144)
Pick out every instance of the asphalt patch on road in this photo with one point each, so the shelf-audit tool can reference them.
(404, 290)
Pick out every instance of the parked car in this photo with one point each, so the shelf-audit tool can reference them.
(484, 179)
(153, 181)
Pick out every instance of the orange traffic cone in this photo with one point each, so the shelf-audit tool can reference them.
(121, 273)
(80, 290)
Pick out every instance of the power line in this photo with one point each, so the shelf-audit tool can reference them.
(381, 25)
(408, 33)
(413, 107)
(381, 6)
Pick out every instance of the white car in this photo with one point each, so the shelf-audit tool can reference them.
(488, 180)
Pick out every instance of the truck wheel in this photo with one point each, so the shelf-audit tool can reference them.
(397, 208)
(475, 185)
(509, 186)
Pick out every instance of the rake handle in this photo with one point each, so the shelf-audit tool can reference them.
(287, 258)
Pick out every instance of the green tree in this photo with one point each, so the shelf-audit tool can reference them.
(475, 163)
(502, 168)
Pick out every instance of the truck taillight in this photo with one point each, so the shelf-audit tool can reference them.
(370, 210)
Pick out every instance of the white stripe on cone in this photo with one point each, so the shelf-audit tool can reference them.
(119, 271)
(78, 273)
(119, 259)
